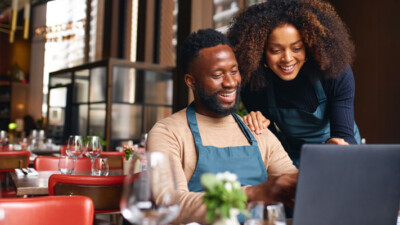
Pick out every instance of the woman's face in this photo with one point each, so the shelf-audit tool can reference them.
(285, 52)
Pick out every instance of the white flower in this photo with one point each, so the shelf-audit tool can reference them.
(228, 186)
(226, 176)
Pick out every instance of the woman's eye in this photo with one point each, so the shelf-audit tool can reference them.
(274, 51)
(297, 49)
(234, 71)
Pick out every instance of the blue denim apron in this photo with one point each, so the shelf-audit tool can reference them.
(296, 127)
(244, 161)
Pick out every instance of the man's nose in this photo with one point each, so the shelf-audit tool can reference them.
(229, 81)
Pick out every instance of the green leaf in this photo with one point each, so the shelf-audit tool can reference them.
(209, 181)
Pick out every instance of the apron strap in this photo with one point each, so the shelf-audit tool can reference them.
(191, 118)
(319, 91)
(244, 129)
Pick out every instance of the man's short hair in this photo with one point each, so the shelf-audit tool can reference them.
(196, 41)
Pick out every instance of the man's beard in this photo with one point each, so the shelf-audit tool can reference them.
(211, 102)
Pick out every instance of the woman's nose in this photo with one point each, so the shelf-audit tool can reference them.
(287, 57)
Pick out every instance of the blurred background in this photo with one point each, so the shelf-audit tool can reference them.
(108, 67)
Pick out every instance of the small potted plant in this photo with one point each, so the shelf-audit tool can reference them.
(223, 198)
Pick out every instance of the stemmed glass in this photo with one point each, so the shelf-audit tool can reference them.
(74, 147)
(150, 194)
(93, 150)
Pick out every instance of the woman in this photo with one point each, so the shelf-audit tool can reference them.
(294, 58)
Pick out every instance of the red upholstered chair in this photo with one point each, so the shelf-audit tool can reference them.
(50, 163)
(10, 160)
(49, 210)
(63, 150)
(115, 159)
(105, 191)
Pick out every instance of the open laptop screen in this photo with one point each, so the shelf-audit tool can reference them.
(356, 184)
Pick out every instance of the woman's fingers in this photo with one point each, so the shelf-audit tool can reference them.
(256, 121)
(337, 141)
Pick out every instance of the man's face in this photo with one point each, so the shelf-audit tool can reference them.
(215, 80)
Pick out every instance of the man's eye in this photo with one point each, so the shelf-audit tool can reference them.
(217, 75)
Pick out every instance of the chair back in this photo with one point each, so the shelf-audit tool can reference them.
(115, 159)
(10, 160)
(50, 163)
(63, 150)
(49, 210)
(105, 191)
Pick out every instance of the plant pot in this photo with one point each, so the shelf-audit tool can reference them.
(232, 220)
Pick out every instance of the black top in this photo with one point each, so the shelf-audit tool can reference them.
(299, 94)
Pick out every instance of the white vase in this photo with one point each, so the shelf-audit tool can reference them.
(232, 220)
(127, 164)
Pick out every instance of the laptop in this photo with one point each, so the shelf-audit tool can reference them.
(348, 185)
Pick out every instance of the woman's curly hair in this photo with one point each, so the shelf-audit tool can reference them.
(328, 45)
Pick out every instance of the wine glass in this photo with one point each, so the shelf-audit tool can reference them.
(74, 147)
(93, 150)
(150, 194)
(276, 214)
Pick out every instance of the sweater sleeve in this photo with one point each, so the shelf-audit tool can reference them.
(341, 110)
(192, 208)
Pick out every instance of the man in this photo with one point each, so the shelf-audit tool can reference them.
(209, 137)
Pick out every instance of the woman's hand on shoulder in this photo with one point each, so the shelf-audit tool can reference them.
(337, 141)
(256, 121)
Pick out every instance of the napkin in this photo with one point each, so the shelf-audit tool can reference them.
(30, 172)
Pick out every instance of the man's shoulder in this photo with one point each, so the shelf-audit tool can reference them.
(177, 117)
(175, 121)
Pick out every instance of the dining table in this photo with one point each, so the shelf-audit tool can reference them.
(36, 184)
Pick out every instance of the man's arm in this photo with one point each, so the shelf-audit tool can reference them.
(276, 189)
(164, 140)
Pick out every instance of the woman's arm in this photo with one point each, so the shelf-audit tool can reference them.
(341, 108)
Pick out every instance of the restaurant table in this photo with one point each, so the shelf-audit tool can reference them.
(45, 151)
(38, 184)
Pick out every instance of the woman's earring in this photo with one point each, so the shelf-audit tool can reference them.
(266, 66)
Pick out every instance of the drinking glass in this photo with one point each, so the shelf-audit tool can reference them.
(150, 195)
(66, 165)
(256, 210)
(93, 150)
(3, 138)
(100, 167)
(74, 147)
(276, 214)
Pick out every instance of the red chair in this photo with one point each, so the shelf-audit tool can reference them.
(63, 150)
(50, 163)
(49, 210)
(9, 161)
(115, 159)
(105, 191)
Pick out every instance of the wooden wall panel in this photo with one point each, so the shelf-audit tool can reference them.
(375, 29)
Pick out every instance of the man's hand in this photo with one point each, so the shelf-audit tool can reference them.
(256, 121)
(276, 189)
(337, 141)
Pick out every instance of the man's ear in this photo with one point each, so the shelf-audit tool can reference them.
(190, 81)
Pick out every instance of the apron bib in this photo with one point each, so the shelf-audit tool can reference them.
(296, 127)
(244, 161)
